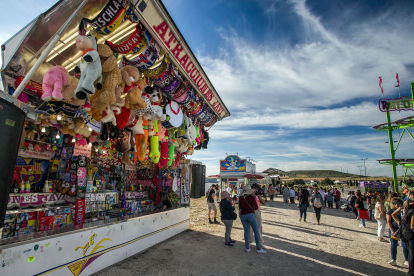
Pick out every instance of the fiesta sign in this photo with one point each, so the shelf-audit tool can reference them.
(184, 59)
(395, 104)
(233, 163)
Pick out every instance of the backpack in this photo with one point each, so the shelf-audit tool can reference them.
(405, 225)
(317, 202)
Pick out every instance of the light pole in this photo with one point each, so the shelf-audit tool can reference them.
(365, 168)
(360, 175)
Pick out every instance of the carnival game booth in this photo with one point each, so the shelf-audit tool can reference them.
(109, 103)
(374, 186)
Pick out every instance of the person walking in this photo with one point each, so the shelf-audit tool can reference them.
(337, 195)
(227, 211)
(329, 199)
(408, 230)
(292, 196)
(362, 207)
(271, 194)
(380, 216)
(393, 227)
(247, 206)
(285, 194)
(318, 203)
(211, 205)
(352, 200)
(303, 203)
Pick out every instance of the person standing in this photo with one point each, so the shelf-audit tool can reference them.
(227, 211)
(271, 194)
(240, 190)
(393, 226)
(234, 195)
(318, 203)
(380, 217)
(229, 188)
(303, 203)
(247, 205)
(322, 192)
(285, 194)
(352, 200)
(371, 204)
(217, 193)
(211, 205)
(361, 205)
(292, 196)
(337, 195)
(329, 199)
(408, 231)
(258, 215)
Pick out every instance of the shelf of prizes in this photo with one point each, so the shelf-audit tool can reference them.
(71, 191)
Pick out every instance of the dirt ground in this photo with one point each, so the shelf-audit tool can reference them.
(337, 247)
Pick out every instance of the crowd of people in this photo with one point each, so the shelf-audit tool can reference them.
(387, 209)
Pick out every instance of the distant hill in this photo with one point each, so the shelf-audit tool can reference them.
(319, 174)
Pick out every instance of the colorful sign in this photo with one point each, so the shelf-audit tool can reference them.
(185, 59)
(395, 104)
(233, 163)
(251, 168)
(80, 211)
(45, 155)
(82, 150)
(34, 200)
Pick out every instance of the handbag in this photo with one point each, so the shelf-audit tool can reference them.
(233, 216)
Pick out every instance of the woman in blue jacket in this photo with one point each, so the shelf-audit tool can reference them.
(226, 210)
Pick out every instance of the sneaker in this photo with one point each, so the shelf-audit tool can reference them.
(228, 245)
(361, 225)
(300, 219)
(406, 263)
(231, 241)
(210, 222)
(261, 251)
(247, 250)
(392, 262)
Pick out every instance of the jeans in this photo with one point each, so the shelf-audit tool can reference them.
(318, 213)
(394, 245)
(381, 227)
(302, 210)
(246, 220)
(370, 213)
(258, 215)
(330, 204)
(229, 224)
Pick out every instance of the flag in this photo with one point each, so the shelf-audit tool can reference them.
(398, 81)
(380, 85)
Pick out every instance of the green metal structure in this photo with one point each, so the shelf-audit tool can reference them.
(403, 124)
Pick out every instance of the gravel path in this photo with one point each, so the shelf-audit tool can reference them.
(337, 247)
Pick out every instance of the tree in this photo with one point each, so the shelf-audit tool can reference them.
(327, 181)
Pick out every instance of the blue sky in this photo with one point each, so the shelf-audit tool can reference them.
(300, 78)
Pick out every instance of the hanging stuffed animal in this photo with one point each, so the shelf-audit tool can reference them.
(132, 86)
(111, 79)
(155, 99)
(149, 110)
(171, 146)
(164, 154)
(135, 124)
(89, 67)
(141, 140)
(155, 153)
(55, 77)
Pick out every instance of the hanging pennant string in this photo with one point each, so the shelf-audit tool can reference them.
(380, 85)
(398, 85)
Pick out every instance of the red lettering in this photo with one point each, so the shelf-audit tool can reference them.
(209, 95)
(199, 84)
(188, 65)
(196, 79)
(205, 87)
(183, 60)
(191, 74)
(172, 38)
(161, 30)
(177, 50)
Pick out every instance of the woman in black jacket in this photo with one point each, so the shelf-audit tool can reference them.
(227, 210)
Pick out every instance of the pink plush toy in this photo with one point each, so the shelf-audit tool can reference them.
(164, 154)
(55, 77)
